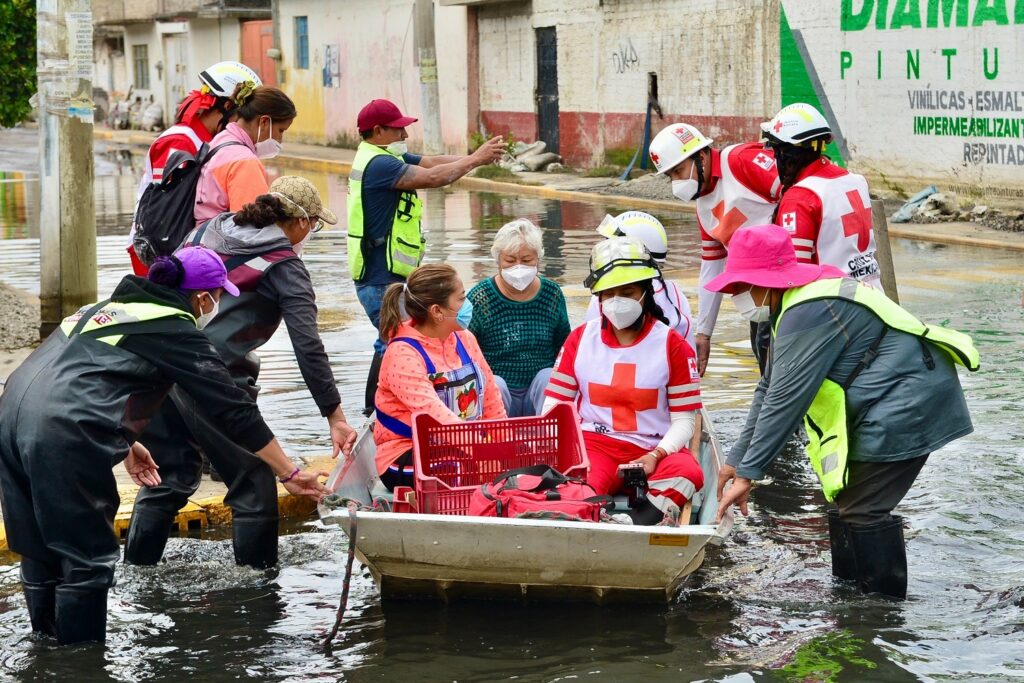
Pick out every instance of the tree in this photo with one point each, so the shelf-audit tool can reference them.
(17, 59)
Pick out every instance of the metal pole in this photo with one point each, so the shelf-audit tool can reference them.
(67, 216)
(426, 59)
(883, 254)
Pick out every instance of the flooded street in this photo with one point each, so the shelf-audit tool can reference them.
(763, 607)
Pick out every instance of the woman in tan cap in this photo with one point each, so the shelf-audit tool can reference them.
(260, 246)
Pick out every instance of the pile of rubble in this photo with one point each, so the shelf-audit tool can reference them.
(532, 157)
(940, 207)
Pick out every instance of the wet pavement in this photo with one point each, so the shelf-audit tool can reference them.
(763, 607)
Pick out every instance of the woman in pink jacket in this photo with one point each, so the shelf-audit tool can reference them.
(235, 175)
(432, 365)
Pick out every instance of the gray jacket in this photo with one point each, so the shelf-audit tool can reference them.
(898, 408)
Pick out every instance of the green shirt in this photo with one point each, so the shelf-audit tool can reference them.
(519, 338)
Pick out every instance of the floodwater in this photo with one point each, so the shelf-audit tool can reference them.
(763, 607)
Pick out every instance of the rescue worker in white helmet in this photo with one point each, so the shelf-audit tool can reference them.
(877, 390)
(734, 187)
(202, 114)
(650, 231)
(825, 209)
(635, 384)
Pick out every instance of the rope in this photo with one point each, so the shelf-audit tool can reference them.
(343, 603)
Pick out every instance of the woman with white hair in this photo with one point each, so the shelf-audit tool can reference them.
(519, 318)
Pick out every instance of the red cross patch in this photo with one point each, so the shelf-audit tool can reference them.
(694, 372)
(683, 134)
(789, 221)
(764, 161)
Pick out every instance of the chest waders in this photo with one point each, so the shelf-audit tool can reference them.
(404, 242)
(826, 421)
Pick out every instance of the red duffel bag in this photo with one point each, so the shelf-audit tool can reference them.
(540, 492)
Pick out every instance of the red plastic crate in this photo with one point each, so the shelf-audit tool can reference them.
(453, 460)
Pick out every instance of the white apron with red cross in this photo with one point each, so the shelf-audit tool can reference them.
(845, 238)
(731, 206)
(624, 391)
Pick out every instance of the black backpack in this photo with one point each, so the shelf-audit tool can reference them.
(165, 213)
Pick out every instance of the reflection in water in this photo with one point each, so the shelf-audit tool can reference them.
(762, 607)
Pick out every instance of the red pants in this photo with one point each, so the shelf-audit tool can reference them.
(674, 481)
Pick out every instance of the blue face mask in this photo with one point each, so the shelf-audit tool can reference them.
(465, 314)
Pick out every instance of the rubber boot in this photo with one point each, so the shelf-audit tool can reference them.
(844, 564)
(81, 615)
(39, 583)
(147, 537)
(371, 383)
(881, 558)
(646, 513)
(255, 542)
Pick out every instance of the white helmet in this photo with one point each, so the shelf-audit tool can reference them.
(641, 226)
(222, 78)
(797, 124)
(674, 144)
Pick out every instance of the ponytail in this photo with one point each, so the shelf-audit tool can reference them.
(263, 211)
(167, 271)
(427, 285)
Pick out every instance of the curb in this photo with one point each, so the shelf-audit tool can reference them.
(200, 513)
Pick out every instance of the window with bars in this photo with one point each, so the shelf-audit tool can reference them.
(301, 42)
(140, 60)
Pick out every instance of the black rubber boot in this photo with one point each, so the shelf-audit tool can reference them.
(646, 513)
(881, 558)
(39, 582)
(255, 542)
(844, 563)
(81, 615)
(147, 537)
(371, 383)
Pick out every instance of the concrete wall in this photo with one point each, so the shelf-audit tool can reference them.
(606, 51)
(374, 41)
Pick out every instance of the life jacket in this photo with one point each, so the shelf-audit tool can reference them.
(731, 205)
(843, 199)
(404, 242)
(538, 492)
(247, 321)
(825, 421)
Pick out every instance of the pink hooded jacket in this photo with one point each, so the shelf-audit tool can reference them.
(233, 178)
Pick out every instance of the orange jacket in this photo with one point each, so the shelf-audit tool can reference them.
(404, 388)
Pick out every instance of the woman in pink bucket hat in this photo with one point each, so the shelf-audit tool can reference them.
(864, 374)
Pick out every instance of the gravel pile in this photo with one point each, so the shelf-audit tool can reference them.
(19, 318)
(649, 186)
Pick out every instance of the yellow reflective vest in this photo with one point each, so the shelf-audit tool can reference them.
(404, 240)
(825, 421)
(106, 323)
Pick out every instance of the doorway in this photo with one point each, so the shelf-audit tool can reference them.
(547, 87)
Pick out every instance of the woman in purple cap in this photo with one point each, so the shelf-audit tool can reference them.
(877, 390)
(77, 406)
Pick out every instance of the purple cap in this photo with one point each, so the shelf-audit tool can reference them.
(204, 269)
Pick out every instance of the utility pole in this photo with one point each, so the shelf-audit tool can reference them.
(426, 59)
(67, 215)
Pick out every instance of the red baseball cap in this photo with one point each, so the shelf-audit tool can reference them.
(382, 113)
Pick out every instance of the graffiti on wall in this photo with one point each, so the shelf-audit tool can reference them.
(625, 58)
(932, 87)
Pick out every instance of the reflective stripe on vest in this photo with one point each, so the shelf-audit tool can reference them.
(825, 421)
(404, 241)
(112, 316)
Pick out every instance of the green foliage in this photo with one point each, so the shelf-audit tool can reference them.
(17, 59)
(476, 138)
(495, 172)
(619, 157)
(603, 172)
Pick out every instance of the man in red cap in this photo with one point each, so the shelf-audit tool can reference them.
(866, 376)
(385, 242)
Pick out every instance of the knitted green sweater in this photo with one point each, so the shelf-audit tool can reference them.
(519, 338)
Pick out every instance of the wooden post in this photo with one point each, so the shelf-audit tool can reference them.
(67, 216)
(880, 226)
(426, 59)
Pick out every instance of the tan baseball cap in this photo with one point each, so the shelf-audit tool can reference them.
(303, 196)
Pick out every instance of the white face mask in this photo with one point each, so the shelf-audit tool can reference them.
(622, 311)
(519, 277)
(686, 190)
(269, 148)
(398, 148)
(204, 318)
(744, 302)
(301, 244)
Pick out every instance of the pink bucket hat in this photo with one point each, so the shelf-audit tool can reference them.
(763, 255)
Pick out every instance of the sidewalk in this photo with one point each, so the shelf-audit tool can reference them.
(570, 187)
